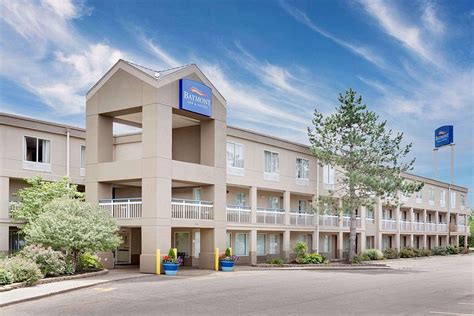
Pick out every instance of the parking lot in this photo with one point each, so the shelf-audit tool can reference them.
(426, 286)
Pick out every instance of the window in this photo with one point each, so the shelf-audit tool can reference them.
(302, 206)
(328, 175)
(241, 244)
(261, 245)
(453, 199)
(387, 214)
(369, 242)
(235, 158)
(274, 244)
(197, 194)
(83, 157)
(303, 238)
(197, 244)
(240, 199)
(431, 194)
(302, 168)
(229, 240)
(274, 202)
(327, 244)
(463, 200)
(442, 200)
(419, 196)
(370, 213)
(272, 166)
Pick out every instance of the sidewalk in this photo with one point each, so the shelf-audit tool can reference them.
(43, 290)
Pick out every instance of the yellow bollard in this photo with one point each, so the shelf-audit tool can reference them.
(230, 248)
(175, 250)
(158, 262)
(216, 259)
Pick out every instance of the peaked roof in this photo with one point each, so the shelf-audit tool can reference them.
(158, 74)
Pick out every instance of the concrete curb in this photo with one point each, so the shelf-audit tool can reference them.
(13, 286)
(328, 268)
(34, 298)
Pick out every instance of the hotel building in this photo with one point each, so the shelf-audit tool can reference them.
(188, 180)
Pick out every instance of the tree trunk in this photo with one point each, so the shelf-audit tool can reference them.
(352, 236)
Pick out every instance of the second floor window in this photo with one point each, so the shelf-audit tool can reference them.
(432, 195)
(83, 157)
(302, 168)
(463, 200)
(453, 199)
(235, 155)
(37, 150)
(274, 202)
(240, 199)
(302, 206)
(328, 174)
(272, 162)
(419, 196)
(442, 199)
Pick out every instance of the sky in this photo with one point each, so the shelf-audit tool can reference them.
(274, 61)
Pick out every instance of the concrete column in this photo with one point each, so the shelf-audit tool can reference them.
(412, 241)
(457, 240)
(315, 241)
(363, 241)
(363, 214)
(286, 245)
(253, 204)
(211, 238)
(378, 241)
(436, 241)
(253, 246)
(425, 243)
(397, 234)
(4, 214)
(340, 245)
(287, 206)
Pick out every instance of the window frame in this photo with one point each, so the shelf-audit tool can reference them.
(246, 244)
(234, 169)
(298, 165)
(35, 165)
(273, 175)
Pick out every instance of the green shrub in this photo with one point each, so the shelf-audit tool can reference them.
(452, 250)
(391, 253)
(313, 258)
(89, 261)
(361, 257)
(50, 262)
(5, 277)
(276, 261)
(407, 252)
(300, 249)
(464, 250)
(374, 254)
(439, 251)
(23, 270)
(425, 252)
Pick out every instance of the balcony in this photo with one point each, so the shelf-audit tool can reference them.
(239, 214)
(430, 227)
(329, 221)
(192, 209)
(301, 219)
(389, 224)
(122, 208)
(462, 228)
(13, 206)
(405, 226)
(273, 216)
(442, 227)
(419, 226)
(369, 220)
(346, 221)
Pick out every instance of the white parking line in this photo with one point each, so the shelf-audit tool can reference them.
(448, 313)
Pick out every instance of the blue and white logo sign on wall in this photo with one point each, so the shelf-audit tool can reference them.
(444, 135)
(195, 97)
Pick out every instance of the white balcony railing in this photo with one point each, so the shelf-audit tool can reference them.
(430, 227)
(418, 226)
(369, 220)
(442, 227)
(13, 206)
(122, 208)
(329, 220)
(270, 216)
(301, 219)
(405, 226)
(192, 209)
(389, 224)
(346, 221)
(239, 214)
(462, 228)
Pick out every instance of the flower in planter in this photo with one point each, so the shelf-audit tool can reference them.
(227, 256)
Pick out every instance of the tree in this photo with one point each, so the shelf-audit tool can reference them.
(370, 158)
(39, 193)
(74, 227)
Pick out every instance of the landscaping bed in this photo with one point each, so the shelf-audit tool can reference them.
(322, 266)
(83, 275)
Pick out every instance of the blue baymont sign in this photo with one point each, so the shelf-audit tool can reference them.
(444, 135)
(195, 97)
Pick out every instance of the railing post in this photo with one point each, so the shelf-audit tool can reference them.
(128, 209)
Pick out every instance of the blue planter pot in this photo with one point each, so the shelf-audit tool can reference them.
(171, 268)
(227, 266)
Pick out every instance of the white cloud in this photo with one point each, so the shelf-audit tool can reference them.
(410, 35)
(432, 22)
(63, 8)
(360, 50)
(161, 54)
